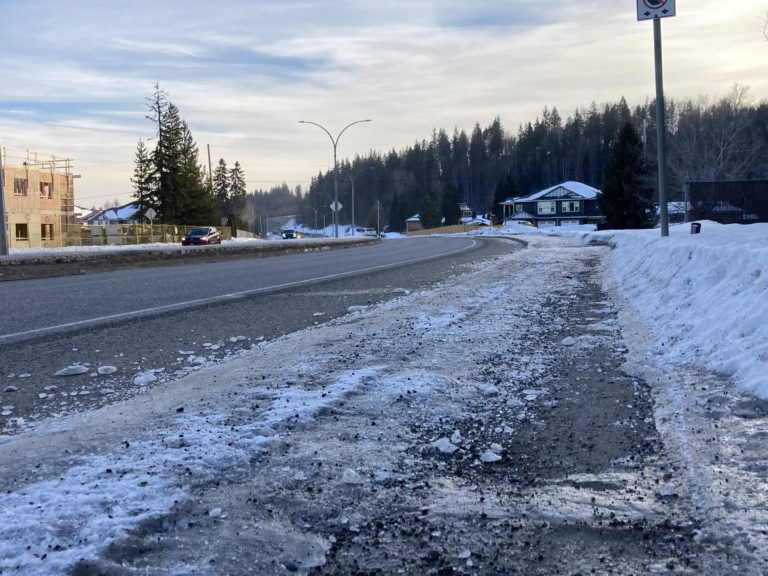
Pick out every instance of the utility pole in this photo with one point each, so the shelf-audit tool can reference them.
(210, 170)
(661, 129)
(656, 10)
(3, 236)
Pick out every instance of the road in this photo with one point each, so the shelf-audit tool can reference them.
(38, 307)
(158, 322)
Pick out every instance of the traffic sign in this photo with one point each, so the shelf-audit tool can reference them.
(336, 206)
(652, 9)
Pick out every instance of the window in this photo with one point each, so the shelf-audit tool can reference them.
(570, 206)
(46, 231)
(46, 189)
(547, 208)
(518, 207)
(20, 186)
(22, 232)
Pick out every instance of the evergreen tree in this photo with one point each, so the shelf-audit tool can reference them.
(398, 214)
(237, 197)
(143, 177)
(194, 202)
(429, 213)
(505, 189)
(627, 199)
(221, 186)
(450, 206)
(167, 158)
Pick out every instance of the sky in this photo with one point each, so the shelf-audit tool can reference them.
(244, 72)
(687, 305)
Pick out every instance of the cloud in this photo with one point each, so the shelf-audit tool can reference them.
(243, 73)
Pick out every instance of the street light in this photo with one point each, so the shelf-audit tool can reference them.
(335, 142)
(322, 214)
(352, 177)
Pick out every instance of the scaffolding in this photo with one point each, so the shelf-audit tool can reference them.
(56, 198)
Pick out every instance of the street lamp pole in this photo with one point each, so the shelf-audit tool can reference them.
(352, 177)
(335, 142)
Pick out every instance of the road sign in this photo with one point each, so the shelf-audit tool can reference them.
(150, 214)
(336, 206)
(652, 9)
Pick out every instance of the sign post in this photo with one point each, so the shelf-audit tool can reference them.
(656, 10)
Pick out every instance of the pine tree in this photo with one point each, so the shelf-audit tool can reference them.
(143, 177)
(194, 203)
(237, 189)
(627, 199)
(450, 206)
(505, 189)
(221, 186)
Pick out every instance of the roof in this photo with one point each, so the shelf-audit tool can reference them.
(123, 213)
(522, 215)
(575, 190)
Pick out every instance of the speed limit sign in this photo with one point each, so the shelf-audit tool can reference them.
(651, 9)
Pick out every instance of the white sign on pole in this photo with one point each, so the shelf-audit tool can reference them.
(652, 9)
(336, 206)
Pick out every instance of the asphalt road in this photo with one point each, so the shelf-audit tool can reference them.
(161, 320)
(37, 307)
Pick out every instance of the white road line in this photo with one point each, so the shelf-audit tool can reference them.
(215, 299)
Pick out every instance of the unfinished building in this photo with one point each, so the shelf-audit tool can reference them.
(39, 199)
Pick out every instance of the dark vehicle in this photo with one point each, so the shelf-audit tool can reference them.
(289, 235)
(201, 236)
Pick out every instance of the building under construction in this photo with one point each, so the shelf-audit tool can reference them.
(39, 198)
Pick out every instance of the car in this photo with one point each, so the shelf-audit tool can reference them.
(369, 232)
(202, 235)
(289, 234)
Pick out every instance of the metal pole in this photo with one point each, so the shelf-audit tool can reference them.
(354, 231)
(210, 170)
(335, 191)
(661, 129)
(3, 237)
(335, 142)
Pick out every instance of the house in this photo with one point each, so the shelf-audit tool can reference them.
(413, 224)
(567, 204)
(39, 198)
(130, 213)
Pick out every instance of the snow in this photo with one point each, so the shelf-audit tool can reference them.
(698, 302)
(705, 295)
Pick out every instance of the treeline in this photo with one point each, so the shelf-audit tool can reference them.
(722, 140)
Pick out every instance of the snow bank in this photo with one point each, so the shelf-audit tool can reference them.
(704, 295)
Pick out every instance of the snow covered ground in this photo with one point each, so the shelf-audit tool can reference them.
(691, 312)
(704, 295)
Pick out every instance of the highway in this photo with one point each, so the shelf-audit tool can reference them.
(36, 307)
(162, 320)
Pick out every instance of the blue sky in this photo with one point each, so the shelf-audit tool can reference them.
(76, 75)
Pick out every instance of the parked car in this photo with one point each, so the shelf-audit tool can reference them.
(202, 235)
(369, 232)
(289, 234)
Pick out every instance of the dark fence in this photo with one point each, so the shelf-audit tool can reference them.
(738, 202)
